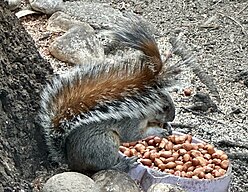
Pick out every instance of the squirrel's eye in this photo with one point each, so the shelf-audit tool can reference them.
(165, 108)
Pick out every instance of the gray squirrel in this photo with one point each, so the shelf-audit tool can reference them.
(87, 112)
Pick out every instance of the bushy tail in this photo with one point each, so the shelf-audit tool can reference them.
(133, 32)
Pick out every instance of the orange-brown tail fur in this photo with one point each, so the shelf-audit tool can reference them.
(115, 83)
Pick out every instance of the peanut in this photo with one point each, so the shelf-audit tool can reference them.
(149, 138)
(189, 139)
(187, 165)
(177, 173)
(222, 171)
(209, 176)
(166, 154)
(162, 159)
(158, 162)
(192, 168)
(175, 155)
(207, 156)
(172, 138)
(157, 139)
(189, 174)
(195, 153)
(139, 147)
(180, 139)
(133, 143)
(179, 168)
(125, 144)
(223, 157)
(146, 155)
(187, 146)
(216, 173)
(194, 146)
(127, 153)
(179, 162)
(168, 146)
(201, 175)
(170, 165)
(198, 170)
(208, 169)
(200, 145)
(151, 142)
(177, 147)
(224, 164)
(170, 159)
(153, 156)
(133, 152)
(195, 162)
(195, 177)
(122, 149)
(162, 144)
(151, 147)
(186, 157)
(182, 151)
(146, 162)
(210, 149)
(162, 166)
(216, 161)
(202, 161)
(179, 156)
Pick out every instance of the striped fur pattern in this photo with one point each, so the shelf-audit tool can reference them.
(133, 104)
(100, 91)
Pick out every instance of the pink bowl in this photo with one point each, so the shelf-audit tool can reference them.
(147, 176)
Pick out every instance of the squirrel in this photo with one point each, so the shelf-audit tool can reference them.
(87, 112)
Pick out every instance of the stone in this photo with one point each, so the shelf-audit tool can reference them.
(115, 181)
(61, 22)
(242, 76)
(203, 102)
(76, 46)
(70, 182)
(13, 4)
(46, 6)
(98, 15)
(164, 187)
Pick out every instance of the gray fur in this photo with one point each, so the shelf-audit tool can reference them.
(90, 140)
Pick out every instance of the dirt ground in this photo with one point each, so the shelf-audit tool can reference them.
(217, 32)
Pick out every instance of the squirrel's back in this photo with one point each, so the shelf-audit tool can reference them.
(100, 90)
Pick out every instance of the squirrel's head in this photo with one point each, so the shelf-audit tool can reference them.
(167, 114)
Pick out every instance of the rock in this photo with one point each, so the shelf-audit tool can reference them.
(202, 102)
(46, 6)
(164, 187)
(243, 76)
(76, 46)
(13, 4)
(115, 181)
(98, 15)
(70, 182)
(60, 21)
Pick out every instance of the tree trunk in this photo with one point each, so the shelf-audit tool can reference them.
(23, 72)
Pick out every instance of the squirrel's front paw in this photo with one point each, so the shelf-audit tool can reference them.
(167, 126)
(157, 132)
(133, 161)
(126, 163)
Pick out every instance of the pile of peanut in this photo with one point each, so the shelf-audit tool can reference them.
(179, 156)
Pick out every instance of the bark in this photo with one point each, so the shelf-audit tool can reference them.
(23, 72)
